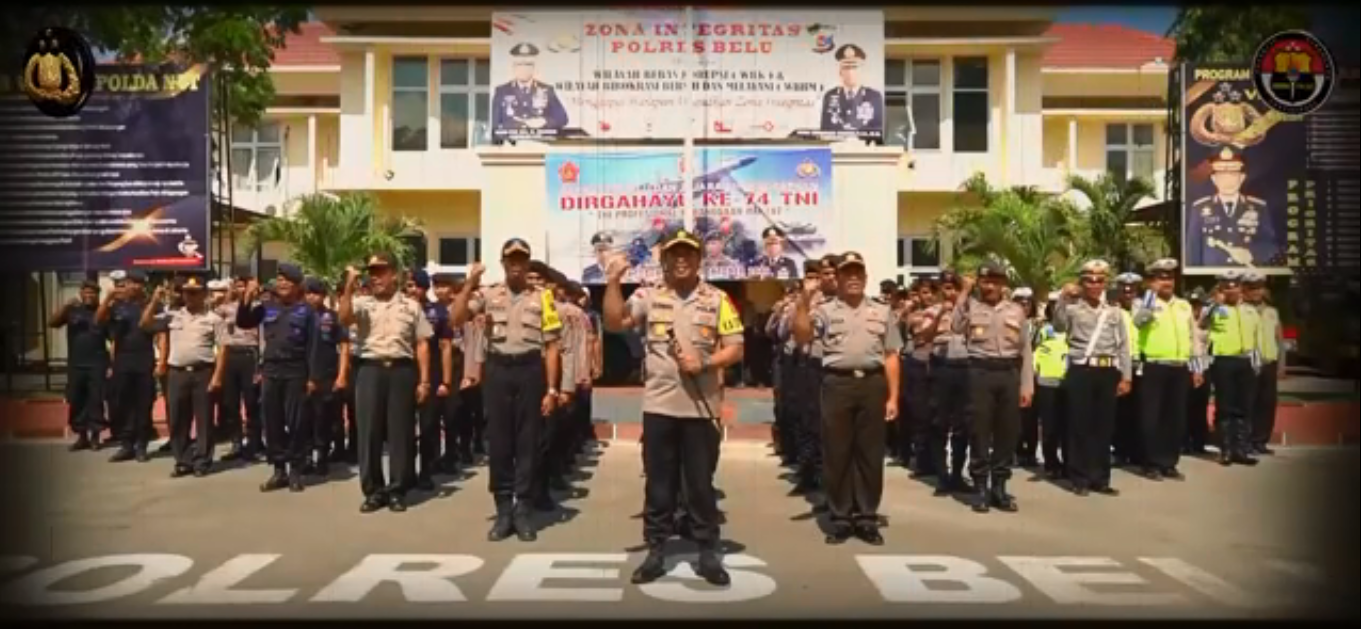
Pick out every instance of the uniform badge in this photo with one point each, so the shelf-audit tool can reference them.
(865, 112)
(782, 274)
(540, 98)
(659, 329)
(706, 332)
(1206, 212)
(977, 330)
(498, 330)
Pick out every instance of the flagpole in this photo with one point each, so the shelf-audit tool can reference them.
(688, 149)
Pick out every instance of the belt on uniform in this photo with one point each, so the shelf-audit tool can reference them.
(523, 358)
(995, 364)
(242, 349)
(1166, 363)
(192, 368)
(386, 363)
(854, 373)
(1096, 361)
(949, 362)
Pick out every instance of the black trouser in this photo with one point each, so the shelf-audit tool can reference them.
(1264, 405)
(323, 411)
(238, 389)
(452, 413)
(131, 416)
(949, 417)
(914, 421)
(1091, 398)
(1198, 416)
(810, 414)
(434, 421)
(1162, 411)
(347, 433)
(85, 399)
(477, 415)
(786, 420)
(1234, 381)
(288, 433)
(853, 430)
(584, 420)
(994, 416)
(1028, 441)
(512, 396)
(188, 405)
(385, 401)
(462, 433)
(680, 452)
(555, 445)
(1127, 442)
(1051, 414)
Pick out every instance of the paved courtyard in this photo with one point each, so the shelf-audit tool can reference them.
(85, 538)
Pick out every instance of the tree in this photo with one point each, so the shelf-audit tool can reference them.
(326, 233)
(1037, 236)
(237, 42)
(1217, 33)
(1111, 232)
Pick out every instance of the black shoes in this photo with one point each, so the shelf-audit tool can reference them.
(1171, 473)
(141, 456)
(397, 503)
(278, 480)
(202, 470)
(373, 503)
(1106, 490)
(840, 533)
(869, 533)
(1151, 474)
(982, 502)
(180, 471)
(82, 443)
(544, 503)
(425, 483)
(1080, 490)
(502, 528)
(164, 448)
(711, 569)
(558, 482)
(295, 483)
(652, 568)
(1263, 450)
(122, 455)
(524, 528)
(1242, 459)
(1003, 501)
(949, 485)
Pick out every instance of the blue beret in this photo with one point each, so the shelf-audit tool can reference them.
(314, 285)
(290, 272)
(420, 278)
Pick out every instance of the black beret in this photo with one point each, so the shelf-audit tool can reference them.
(290, 272)
(314, 285)
(420, 278)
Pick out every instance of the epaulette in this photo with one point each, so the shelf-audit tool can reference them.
(1251, 199)
(1202, 201)
(879, 300)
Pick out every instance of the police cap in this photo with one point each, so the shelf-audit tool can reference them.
(290, 272)
(1096, 267)
(948, 277)
(772, 232)
(1226, 162)
(136, 276)
(992, 268)
(314, 285)
(714, 236)
(1023, 292)
(379, 260)
(514, 246)
(1253, 278)
(524, 49)
(1197, 295)
(1128, 279)
(192, 283)
(849, 54)
(680, 237)
(217, 286)
(118, 275)
(1231, 276)
(420, 278)
(851, 259)
(1164, 266)
(601, 238)
(811, 266)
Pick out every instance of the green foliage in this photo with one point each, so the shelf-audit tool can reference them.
(236, 41)
(1211, 33)
(326, 233)
(1110, 234)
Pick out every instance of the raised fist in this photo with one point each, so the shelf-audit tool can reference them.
(351, 275)
(811, 286)
(617, 266)
(475, 274)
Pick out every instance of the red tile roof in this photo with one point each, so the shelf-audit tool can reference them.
(306, 49)
(1105, 46)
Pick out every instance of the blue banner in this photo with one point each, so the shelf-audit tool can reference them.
(121, 184)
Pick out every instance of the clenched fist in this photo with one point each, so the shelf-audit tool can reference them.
(617, 266)
(475, 274)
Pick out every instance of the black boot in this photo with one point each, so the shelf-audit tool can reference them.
(524, 526)
(710, 568)
(295, 483)
(82, 443)
(95, 443)
(1000, 498)
(982, 501)
(278, 480)
(123, 454)
(653, 566)
(234, 453)
(503, 527)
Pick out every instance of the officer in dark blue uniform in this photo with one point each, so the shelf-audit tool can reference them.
(289, 330)
(87, 364)
(134, 359)
(774, 264)
(431, 410)
(326, 373)
(525, 104)
(1231, 228)
(851, 106)
(603, 245)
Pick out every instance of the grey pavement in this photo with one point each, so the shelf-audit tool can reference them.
(1275, 540)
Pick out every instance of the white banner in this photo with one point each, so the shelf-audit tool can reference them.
(729, 74)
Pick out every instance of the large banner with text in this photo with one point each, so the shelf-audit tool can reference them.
(124, 184)
(760, 212)
(726, 73)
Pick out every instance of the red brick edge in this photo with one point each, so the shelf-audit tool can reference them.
(1300, 424)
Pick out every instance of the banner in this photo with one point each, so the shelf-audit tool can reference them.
(730, 74)
(121, 184)
(600, 204)
(1245, 181)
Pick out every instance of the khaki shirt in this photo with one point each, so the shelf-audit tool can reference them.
(1000, 331)
(574, 348)
(389, 329)
(193, 337)
(702, 321)
(231, 335)
(855, 337)
(919, 325)
(947, 344)
(1078, 321)
(520, 322)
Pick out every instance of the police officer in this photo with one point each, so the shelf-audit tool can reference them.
(1051, 365)
(1198, 400)
(798, 397)
(1001, 381)
(240, 380)
(134, 359)
(786, 402)
(559, 434)
(1230, 228)
(773, 263)
(520, 387)
(327, 375)
(289, 331)
(807, 385)
(917, 332)
(1127, 444)
(602, 244)
(441, 351)
(586, 385)
(450, 405)
(851, 106)
(1269, 342)
(392, 330)
(949, 388)
(194, 369)
(692, 333)
(1172, 366)
(87, 364)
(524, 103)
(347, 439)
(1029, 441)
(1100, 369)
(1233, 327)
(860, 346)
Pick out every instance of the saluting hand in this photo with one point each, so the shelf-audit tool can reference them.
(252, 291)
(811, 286)
(351, 276)
(1070, 290)
(891, 410)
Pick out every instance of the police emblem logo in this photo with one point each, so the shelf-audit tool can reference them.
(659, 329)
(59, 72)
(1294, 72)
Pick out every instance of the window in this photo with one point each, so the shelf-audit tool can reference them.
(257, 156)
(410, 103)
(918, 254)
(457, 253)
(1129, 151)
(912, 99)
(464, 98)
(971, 111)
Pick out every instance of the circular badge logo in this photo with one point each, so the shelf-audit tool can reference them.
(1294, 72)
(59, 72)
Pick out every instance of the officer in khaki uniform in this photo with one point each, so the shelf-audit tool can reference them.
(1029, 440)
(1001, 381)
(240, 381)
(807, 377)
(1233, 328)
(917, 331)
(520, 384)
(860, 344)
(1099, 371)
(783, 372)
(1172, 364)
(692, 333)
(949, 388)
(555, 447)
(391, 330)
(1270, 342)
(195, 369)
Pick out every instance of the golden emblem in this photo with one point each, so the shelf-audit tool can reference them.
(48, 69)
(1230, 121)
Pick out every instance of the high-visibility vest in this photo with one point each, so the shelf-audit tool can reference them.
(1168, 336)
(1131, 332)
(1233, 330)
(1051, 356)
